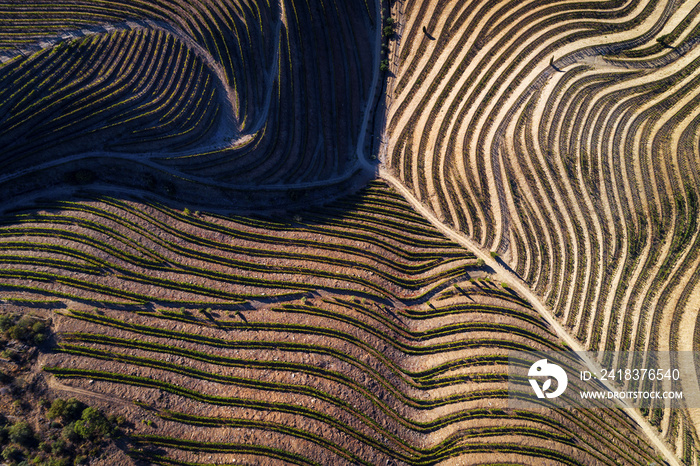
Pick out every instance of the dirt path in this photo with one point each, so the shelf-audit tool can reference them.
(55, 385)
(202, 180)
(522, 289)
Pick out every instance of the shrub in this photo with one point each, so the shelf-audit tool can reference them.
(384, 66)
(58, 462)
(59, 447)
(5, 322)
(69, 433)
(38, 327)
(27, 329)
(12, 453)
(17, 332)
(58, 407)
(74, 408)
(170, 188)
(92, 424)
(21, 433)
(117, 420)
(68, 410)
(26, 322)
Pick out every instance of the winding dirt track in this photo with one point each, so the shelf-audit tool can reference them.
(54, 384)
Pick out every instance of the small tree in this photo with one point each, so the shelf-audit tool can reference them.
(58, 407)
(92, 424)
(6, 322)
(74, 408)
(18, 332)
(69, 410)
(69, 433)
(21, 433)
(12, 453)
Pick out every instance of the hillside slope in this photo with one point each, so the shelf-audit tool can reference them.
(262, 93)
(351, 334)
(563, 136)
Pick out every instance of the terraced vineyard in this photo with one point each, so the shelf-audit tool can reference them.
(103, 249)
(116, 104)
(187, 188)
(563, 136)
(222, 92)
(352, 335)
